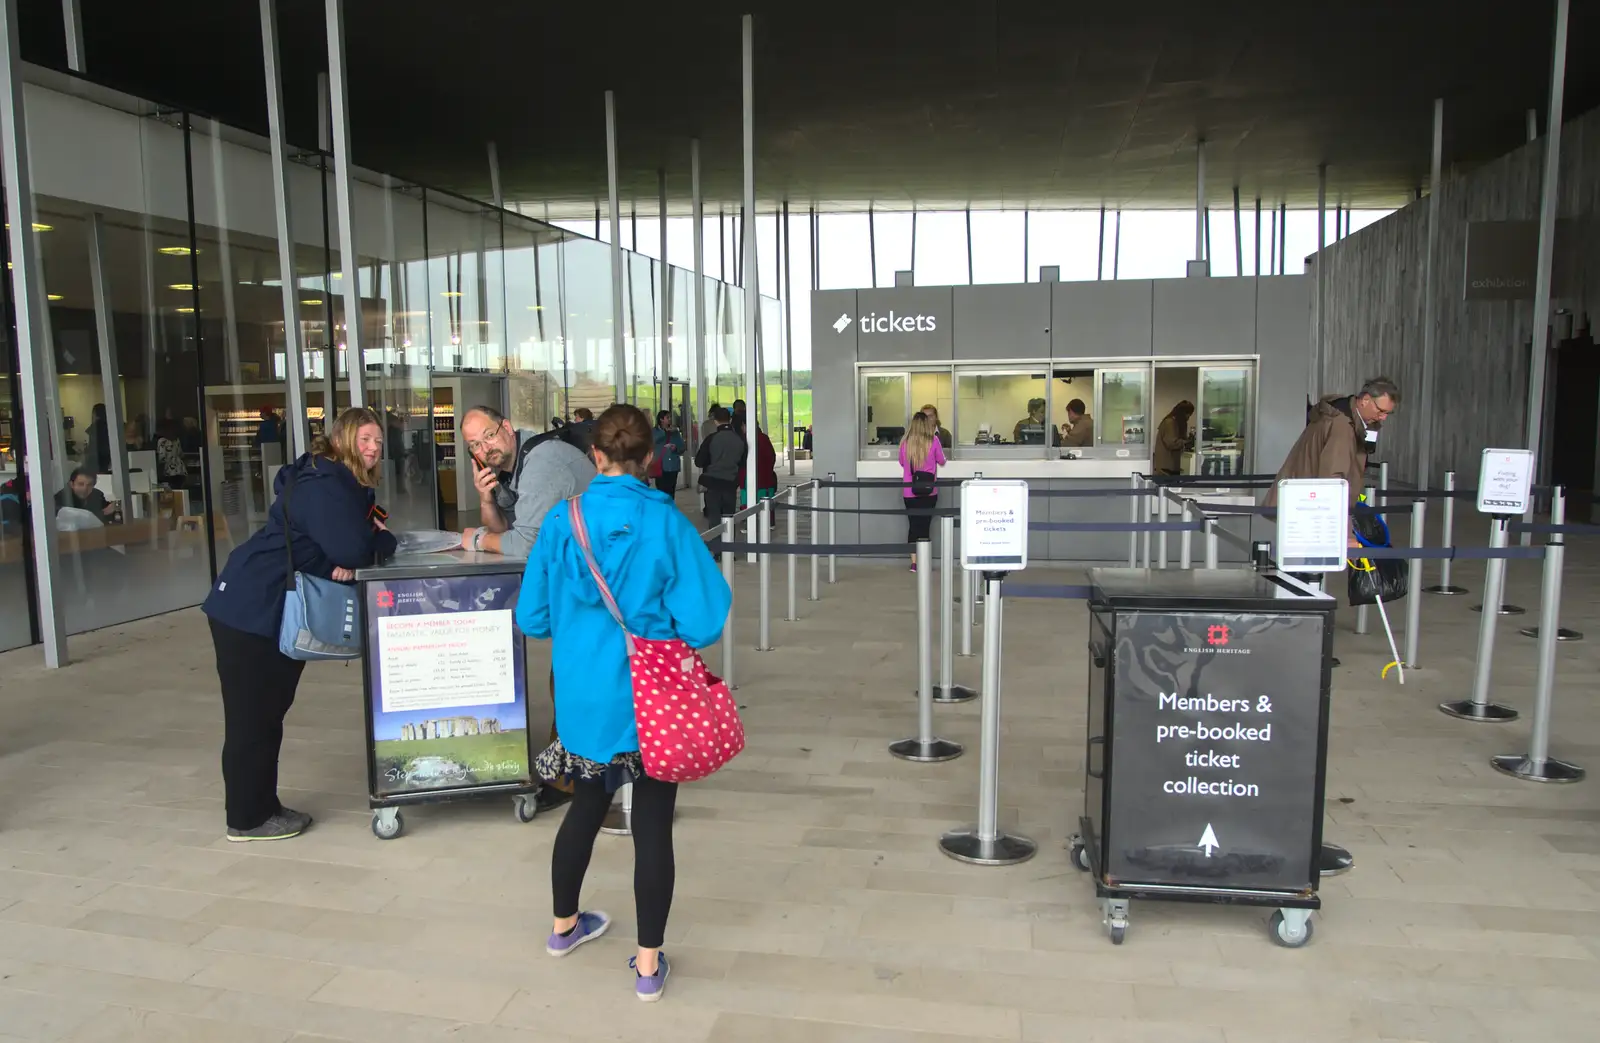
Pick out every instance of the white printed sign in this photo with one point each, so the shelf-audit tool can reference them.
(994, 525)
(1505, 478)
(1313, 524)
(436, 660)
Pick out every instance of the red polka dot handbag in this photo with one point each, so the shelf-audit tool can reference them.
(688, 722)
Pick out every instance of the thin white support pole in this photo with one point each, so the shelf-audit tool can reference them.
(664, 296)
(293, 346)
(1547, 231)
(1314, 376)
(698, 337)
(72, 17)
(36, 369)
(1430, 332)
(344, 191)
(619, 360)
(788, 334)
(752, 295)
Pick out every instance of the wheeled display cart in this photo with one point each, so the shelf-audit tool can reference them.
(445, 684)
(1207, 740)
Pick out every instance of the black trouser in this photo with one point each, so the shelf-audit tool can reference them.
(667, 482)
(721, 499)
(654, 870)
(921, 524)
(258, 685)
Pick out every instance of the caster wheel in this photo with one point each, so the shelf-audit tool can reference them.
(386, 827)
(1119, 931)
(1284, 935)
(525, 808)
(1080, 856)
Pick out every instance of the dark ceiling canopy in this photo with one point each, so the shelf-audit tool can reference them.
(1044, 104)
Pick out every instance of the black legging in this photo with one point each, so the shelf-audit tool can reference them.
(667, 482)
(258, 685)
(921, 524)
(653, 867)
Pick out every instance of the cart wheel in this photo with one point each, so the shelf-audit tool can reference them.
(1080, 855)
(1285, 935)
(387, 823)
(1119, 931)
(525, 808)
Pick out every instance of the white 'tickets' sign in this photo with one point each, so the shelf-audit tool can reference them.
(1504, 480)
(994, 525)
(892, 322)
(1313, 524)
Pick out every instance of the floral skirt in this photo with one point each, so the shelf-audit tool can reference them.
(556, 763)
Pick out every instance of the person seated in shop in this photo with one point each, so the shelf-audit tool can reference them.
(1080, 426)
(81, 493)
(14, 503)
(1031, 428)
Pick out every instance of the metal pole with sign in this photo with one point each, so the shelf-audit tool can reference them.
(994, 541)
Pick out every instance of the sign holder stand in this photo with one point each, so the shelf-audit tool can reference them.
(925, 748)
(1505, 481)
(984, 844)
(1479, 708)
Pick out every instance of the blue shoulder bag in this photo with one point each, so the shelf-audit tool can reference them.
(321, 617)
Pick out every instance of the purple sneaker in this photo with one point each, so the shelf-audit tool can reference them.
(589, 927)
(649, 987)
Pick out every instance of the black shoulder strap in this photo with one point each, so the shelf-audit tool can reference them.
(288, 533)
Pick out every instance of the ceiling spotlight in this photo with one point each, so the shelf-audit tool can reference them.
(180, 286)
(312, 304)
(175, 251)
(54, 297)
(185, 311)
(451, 293)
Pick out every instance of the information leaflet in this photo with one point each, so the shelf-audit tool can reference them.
(1313, 524)
(446, 683)
(1214, 771)
(994, 525)
(1505, 478)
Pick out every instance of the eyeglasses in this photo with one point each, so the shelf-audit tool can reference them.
(477, 445)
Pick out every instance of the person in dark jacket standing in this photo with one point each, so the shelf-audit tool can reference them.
(669, 449)
(332, 530)
(719, 458)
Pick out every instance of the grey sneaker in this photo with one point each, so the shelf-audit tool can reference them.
(299, 818)
(649, 987)
(589, 927)
(282, 826)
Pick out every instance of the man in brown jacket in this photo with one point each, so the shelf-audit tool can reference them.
(1340, 434)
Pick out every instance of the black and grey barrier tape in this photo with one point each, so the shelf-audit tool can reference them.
(1066, 592)
(1565, 529)
(1445, 553)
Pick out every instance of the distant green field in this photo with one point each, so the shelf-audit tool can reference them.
(726, 394)
(458, 761)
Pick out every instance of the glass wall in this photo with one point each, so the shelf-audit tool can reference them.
(16, 619)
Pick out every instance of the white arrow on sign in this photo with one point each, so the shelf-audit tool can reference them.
(1208, 840)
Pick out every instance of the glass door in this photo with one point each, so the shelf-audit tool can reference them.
(1222, 420)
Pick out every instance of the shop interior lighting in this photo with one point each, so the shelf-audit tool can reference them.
(175, 251)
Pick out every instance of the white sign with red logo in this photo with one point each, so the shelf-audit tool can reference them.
(1505, 477)
(1313, 524)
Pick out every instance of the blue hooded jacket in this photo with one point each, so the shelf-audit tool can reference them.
(665, 583)
(331, 527)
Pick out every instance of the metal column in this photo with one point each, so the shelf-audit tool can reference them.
(1430, 336)
(1547, 228)
(664, 323)
(110, 371)
(1314, 377)
(698, 337)
(618, 355)
(36, 369)
(788, 332)
(72, 17)
(293, 363)
(344, 189)
(747, 242)
(1200, 200)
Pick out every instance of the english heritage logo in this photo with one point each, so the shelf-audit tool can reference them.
(1218, 638)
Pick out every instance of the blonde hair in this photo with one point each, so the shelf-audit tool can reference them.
(338, 443)
(932, 412)
(918, 443)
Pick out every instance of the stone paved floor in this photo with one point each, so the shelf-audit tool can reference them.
(812, 903)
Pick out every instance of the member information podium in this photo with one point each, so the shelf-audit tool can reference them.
(1206, 744)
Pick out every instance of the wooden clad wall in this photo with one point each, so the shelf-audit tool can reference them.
(1375, 307)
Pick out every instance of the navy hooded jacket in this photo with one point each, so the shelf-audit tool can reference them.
(331, 528)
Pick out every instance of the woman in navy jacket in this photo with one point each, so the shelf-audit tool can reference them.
(333, 531)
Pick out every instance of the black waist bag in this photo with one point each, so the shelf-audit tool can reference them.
(924, 483)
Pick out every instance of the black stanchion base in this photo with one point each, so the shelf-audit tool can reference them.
(930, 752)
(959, 693)
(964, 845)
(1440, 588)
(1520, 765)
(1488, 713)
(1333, 860)
(1562, 634)
(1505, 610)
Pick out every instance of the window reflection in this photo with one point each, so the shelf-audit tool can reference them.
(885, 404)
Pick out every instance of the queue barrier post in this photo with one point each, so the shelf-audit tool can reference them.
(924, 747)
(1144, 516)
(947, 691)
(1211, 542)
(1537, 765)
(1161, 539)
(1419, 515)
(984, 844)
(833, 529)
(816, 531)
(1558, 515)
(1135, 482)
(1186, 542)
(619, 819)
(1444, 586)
(1371, 499)
(968, 595)
(727, 629)
(763, 522)
(794, 537)
(1479, 708)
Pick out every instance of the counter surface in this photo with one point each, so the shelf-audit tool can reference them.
(1228, 590)
(1033, 467)
(445, 563)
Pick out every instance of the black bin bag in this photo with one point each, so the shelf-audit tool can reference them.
(1371, 580)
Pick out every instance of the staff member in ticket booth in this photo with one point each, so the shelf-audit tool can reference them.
(334, 527)
(1080, 426)
(1341, 434)
(519, 476)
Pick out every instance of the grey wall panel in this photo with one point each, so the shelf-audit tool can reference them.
(1283, 340)
(1002, 322)
(833, 397)
(1204, 317)
(1092, 319)
(900, 324)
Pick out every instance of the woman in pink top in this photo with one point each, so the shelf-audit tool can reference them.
(921, 456)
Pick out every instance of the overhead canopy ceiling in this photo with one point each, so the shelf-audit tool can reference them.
(1042, 104)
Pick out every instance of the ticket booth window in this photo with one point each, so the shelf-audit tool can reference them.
(1002, 408)
(884, 408)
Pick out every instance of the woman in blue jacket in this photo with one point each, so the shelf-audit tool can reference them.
(666, 586)
(669, 449)
(333, 532)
